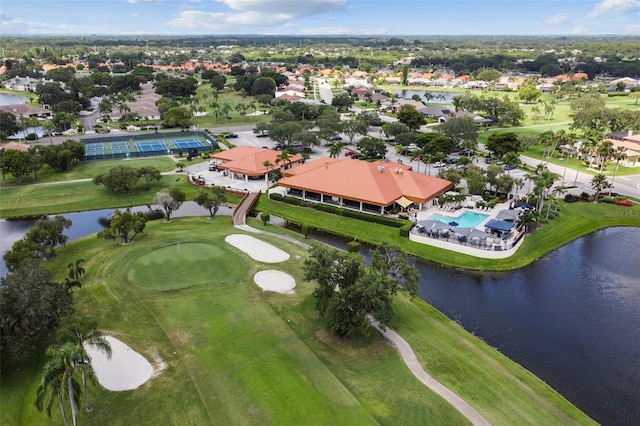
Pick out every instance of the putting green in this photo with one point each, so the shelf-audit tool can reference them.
(183, 265)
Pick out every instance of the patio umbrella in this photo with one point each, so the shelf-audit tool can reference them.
(453, 223)
(476, 233)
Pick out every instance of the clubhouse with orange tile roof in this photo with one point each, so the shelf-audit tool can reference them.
(248, 162)
(362, 185)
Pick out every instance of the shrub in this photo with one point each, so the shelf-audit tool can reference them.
(584, 196)
(306, 230)
(32, 137)
(570, 198)
(492, 202)
(353, 247)
(265, 218)
(608, 200)
(624, 203)
(405, 229)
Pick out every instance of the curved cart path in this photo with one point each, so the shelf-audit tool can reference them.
(407, 354)
(409, 358)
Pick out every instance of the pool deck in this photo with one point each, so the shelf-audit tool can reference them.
(492, 251)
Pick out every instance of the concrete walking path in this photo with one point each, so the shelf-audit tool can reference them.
(410, 359)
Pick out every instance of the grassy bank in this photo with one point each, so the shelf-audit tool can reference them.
(237, 355)
(575, 220)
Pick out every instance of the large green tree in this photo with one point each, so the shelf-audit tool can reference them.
(501, 143)
(211, 200)
(348, 293)
(124, 225)
(8, 125)
(462, 130)
(412, 118)
(17, 163)
(372, 147)
(31, 305)
(170, 199)
(119, 178)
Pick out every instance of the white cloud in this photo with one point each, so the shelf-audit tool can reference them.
(579, 29)
(616, 7)
(300, 8)
(225, 22)
(252, 15)
(144, 1)
(558, 19)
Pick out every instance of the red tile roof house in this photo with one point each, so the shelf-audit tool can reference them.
(362, 185)
(247, 162)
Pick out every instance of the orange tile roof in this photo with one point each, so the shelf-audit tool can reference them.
(374, 183)
(248, 160)
(15, 145)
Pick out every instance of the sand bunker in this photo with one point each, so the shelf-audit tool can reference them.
(126, 369)
(273, 280)
(256, 249)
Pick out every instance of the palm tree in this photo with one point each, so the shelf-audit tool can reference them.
(335, 148)
(605, 150)
(427, 159)
(216, 110)
(62, 365)
(75, 272)
(519, 184)
(51, 388)
(75, 269)
(49, 126)
(81, 333)
(417, 154)
(226, 109)
(527, 219)
(269, 165)
(252, 106)
(598, 183)
(618, 155)
(284, 157)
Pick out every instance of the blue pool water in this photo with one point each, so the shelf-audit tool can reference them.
(466, 220)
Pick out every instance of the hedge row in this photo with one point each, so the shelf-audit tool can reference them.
(404, 225)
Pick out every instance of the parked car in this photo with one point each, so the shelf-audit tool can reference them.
(231, 135)
(510, 167)
(350, 153)
(262, 134)
(450, 160)
(467, 152)
(438, 164)
(279, 147)
(306, 149)
(335, 138)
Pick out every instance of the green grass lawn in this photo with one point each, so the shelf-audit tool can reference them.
(237, 355)
(228, 95)
(90, 169)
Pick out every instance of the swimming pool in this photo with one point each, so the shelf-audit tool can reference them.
(466, 220)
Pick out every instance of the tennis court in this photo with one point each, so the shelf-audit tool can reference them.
(134, 146)
(152, 146)
(187, 143)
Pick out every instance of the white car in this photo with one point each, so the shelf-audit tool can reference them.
(438, 164)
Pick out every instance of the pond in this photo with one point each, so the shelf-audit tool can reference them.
(435, 97)
(9, 99)
(572, 317)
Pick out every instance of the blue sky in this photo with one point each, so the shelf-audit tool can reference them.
(325, 17)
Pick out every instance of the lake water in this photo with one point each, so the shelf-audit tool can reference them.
(6, 99)
(572, 317)
(430, 97)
